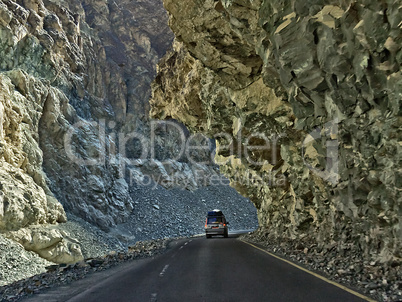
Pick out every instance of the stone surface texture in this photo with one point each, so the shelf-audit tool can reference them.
(319, 83)
(65, 68)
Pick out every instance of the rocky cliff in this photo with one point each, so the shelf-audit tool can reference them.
(304, 101)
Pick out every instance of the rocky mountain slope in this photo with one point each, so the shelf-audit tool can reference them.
(304, 100)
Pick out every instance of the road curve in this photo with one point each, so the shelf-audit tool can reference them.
(216, 269)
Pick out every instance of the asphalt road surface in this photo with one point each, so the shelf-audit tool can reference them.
(215, 269)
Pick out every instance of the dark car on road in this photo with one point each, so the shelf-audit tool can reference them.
(216, 224)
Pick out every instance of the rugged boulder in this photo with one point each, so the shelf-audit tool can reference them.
(49, 243)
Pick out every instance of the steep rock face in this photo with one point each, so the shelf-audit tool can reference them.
(304, 100)
(73, 77)
(25, 196)
(109, 96)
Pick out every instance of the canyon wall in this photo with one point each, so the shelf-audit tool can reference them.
(304, 101)
(74, 76)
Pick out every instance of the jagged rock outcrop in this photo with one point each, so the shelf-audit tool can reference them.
(304, 100)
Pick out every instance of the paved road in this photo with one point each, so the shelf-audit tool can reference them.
(216, 269)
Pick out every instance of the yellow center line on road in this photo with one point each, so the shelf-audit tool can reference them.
(312, 273)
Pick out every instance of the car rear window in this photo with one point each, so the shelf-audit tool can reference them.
(214, 220)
